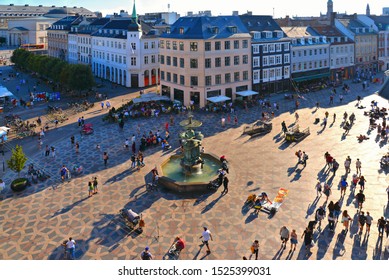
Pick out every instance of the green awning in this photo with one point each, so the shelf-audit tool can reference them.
(311, 77)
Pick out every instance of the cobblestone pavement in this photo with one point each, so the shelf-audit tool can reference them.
(34, 223)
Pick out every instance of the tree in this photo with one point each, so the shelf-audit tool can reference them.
(80, 77)
(18, 160)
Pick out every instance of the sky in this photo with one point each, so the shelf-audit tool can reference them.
(280, 8)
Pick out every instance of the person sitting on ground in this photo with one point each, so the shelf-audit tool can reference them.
(179, 245)
(362, 137)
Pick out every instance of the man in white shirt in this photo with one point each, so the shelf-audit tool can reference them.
(71, 247)
(206, 236)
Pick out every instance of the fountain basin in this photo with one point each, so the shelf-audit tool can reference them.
(173, 177)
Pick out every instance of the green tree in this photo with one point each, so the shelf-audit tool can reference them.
(18, 160)
(80, 77)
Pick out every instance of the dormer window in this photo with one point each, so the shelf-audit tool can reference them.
(269, 34)
(280, 34)
(233, 29)
(294, 41)
(215, 30)
(168, 30)
(309, 40)
(257, 35)
(302, 41)
(181, 30)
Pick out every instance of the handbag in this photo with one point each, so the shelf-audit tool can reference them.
(252, 249)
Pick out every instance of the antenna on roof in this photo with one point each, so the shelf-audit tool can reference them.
(273, 12)
(168, 8)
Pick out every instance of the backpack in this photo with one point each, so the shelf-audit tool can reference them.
(146, 256)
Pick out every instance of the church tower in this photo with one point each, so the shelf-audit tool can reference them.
(330, 8)
(134, 15)
(368, 10)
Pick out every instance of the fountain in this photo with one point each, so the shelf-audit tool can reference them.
(193, 170)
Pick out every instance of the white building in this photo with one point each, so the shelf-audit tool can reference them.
(125, 52)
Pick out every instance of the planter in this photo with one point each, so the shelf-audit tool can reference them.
(19, 184)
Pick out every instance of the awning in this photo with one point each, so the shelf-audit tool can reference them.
(218, 99)
(246, 93)
(5, 92)
(150, 97)
(311, 77)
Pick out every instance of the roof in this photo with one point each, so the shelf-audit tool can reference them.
(20, 28)
(35, 10)
(66, 22)
(299, 32)
(260, 23)
(206, 27)
(352, 24)
(124, 24)
(382, 22)
(330, 31)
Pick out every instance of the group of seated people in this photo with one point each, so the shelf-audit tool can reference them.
(258, 200)
(154, 139)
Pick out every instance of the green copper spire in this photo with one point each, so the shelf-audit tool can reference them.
(134, 15)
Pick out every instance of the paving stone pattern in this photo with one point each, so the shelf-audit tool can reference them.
(34, 223)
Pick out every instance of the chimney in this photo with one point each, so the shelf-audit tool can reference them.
(235, 13)
(332, 19)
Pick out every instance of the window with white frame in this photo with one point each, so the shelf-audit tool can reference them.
(286, 46)
(286, 72)
(278, 59)
(271, 47)
(265, 48)
(256, 76)
(271, 60)
(272, 74)
(133, 61)
(286, 58)
(265, 75)
(256, 62)
(269, 34)
(255, 49)
(278, 47)
(265, 61)
(278, 73)
(146, 60)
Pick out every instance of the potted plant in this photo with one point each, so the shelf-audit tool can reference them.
(16, 163)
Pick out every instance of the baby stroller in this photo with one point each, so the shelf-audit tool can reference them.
(130, 218)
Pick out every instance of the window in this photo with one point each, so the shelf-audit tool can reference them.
(265, 74)
(227, 45)
(146, 45)
(255, 48)
(168, 45)
(133, 46)
(133, 61)
(278, 59)
(153, 59)
(236, 60)
(168, 76)
(146, 60)
(256, 61)
(286, 58)
(208, 63)
(218, 62)
(286, 47)
(305, 52)
(152, 45)
(182, 80)
(207, 46)
(265, 49)
(217, 45)
(271, 74)
(245, 59)
(256, 76)
(310, 52)
(163, 75)
(310, 65)
(182, 63)
(236, 76)
(227, 61)
(278, 72)
(181, 30)
(175, 78)
(245, 75)
(315, 52)
(272, 47)
(320, 50)
(175, 61)
(175, 45)
(168, 60)
(193, 63)
(286, 72)
(181, 46)
(236, 44)
(265, 61)
(208, 80)
(193, 47)
(227, 78)
(194, 81)
(271, 60)
(218, 79)
(278, 47)
(245, 44)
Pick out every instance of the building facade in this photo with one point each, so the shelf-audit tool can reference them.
(309, 55)
(341, 53)
(365, 38)
(203, 57)
(270, 54)
(125, 52)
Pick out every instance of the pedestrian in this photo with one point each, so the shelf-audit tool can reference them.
(319, 215)
(40, 143)
(90, 188)
(317, 105)
(108, 104)
(335, 166)
(223, 121)
(95, 184)
(327, 191)
(343, 186)
(334, 118)
(347, 164)
(72, 140)
(133, 161)
(254, 249)
(369, 220)
(146, 255)
(82, 120)
(326, 114)
(225, 185)
(293, 240)
(284, 234)
(206, 236)
(358, 166)
(331, 99)
(381, 226)
(346, 220)
(138, 164)
(304, 158)
(360, 199)
(71, 247)
(133, 147)
(340, 98)
(105, 158)
(318, 189)
(331, 221)
(102, 105)
(236, 120)
(362, 182)
(284, 127)
(77, 147)
(47, 152)
(56, 122)
(361, 221)
(296, 115)
(79, 121)
(64, 171)
(337, 210)
(308, 239)
(127, 144)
